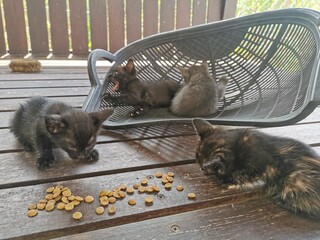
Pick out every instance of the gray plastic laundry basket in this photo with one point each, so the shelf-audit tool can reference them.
(272, 59)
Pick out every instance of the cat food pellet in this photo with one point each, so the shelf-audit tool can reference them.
(75, 202)
(88, 199)
(61, 206)
(136, 185)
(77, 215)
(104, 201)
(158, 174)
(59, 186)
(132, 201)
(58, 198)
(191, 195)
(112, 199)
(148, 200)
(130, 190)
(67, 193)
(52, 201)
(49, 207)
(149, 189)
(164, 180)
(112, 209)
(170, 179)
(116, 195)
(50, 189)
(156, 188)
(49, 196)
(99, 210)
(104, 193)
(179, 187)
(64, 189)
(64, 199)
(78, 198)
(167, 186)
(56, 192)
(43, 201)
(41, 206)
(71, 198)
(141, 189)
(32, 206)
(32, 212)
(170, 174)
(144, 181)
(69, 206)
(122, 194)
(123, 186)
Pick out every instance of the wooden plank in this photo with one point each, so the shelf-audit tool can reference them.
(199, 12)
(9, 143)
(167, 8)
(62, 224)
(44, 84)
(79, 29)
(12, 104)
(3, 48)
(183, 14)
(230, 7)
(49, 92)
(59, 27)
(134, 21)
(116, 24)
(37, 20)
(215, 10)
(114, 157)
(15, 27)
(150, 17)
(254, 219)
(98, 24)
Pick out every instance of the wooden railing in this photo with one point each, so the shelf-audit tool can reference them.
(63, 27)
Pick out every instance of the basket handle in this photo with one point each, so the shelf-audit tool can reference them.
(95, 55)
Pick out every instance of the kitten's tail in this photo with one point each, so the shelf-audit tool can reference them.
(222, 84)
(301, 189)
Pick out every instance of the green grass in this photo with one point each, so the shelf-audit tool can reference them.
(246, 7)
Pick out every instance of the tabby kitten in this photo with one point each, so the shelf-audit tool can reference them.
(287, 169)
(142, 95)
(41, 124)
(200, 94)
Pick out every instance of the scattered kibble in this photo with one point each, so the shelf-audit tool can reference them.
(132, 202)
(170, 174)
(61, 205)
(89, 199)
(148, 200)
(104, 201)
(167, 186)
(130, 190)
(99, 210)
(77, 215)
(112, 209)
(112, 199)
(32, 212)
(179, 187)
(158, 174)
(144, 181)
(191, 195)
(69, 206)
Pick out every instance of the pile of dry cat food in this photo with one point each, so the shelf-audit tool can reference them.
(62, 198)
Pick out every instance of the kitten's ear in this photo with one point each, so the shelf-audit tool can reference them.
(130, 65)
(202, 127)
(54, 124)
(100, 116)
(205, 65)
(184, 72)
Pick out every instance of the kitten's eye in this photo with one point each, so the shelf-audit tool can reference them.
(115, 73)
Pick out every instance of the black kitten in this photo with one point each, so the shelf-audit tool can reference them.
(242, 158)
(42, 124)
(141, 95)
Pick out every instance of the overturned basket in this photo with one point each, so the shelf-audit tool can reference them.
(272, 59)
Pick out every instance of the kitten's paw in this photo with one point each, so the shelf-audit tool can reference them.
(106, 96)
(45, 162)
(92, 156)
(137, 112)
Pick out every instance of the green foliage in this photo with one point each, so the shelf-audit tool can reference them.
(246, 7)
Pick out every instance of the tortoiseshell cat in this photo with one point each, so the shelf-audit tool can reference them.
(42, 124)
(141, 95)
(287, 169)
(200, 94)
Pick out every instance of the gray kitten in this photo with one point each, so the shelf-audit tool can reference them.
(200, 94)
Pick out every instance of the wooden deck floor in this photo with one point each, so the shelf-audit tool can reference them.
(127, 156)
